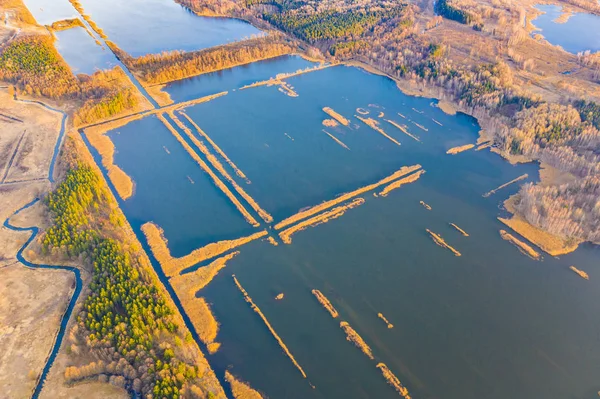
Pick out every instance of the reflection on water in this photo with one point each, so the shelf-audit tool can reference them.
(151, 26)
(46, 12)
(489, 324)
(82, 53)
(580, 33)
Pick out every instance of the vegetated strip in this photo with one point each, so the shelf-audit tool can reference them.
(393, 380)
(340, 118)
(356, 339)
(172, 266)
(425, 205)
(286, 235)
(215, 146)
(254, 307)
(485, 145)
(459, 149)
(523, 247)
(212, 175)
(278, 79)
(522, 177)
(187, 286)
(581, 273)
(385, 320)
(464, 233)
(325, 302)
(440, 241)
(373, 124)
(403, 129)
(399, 183)
(103, 144)
(219, 167)
(340, 142)
(549, 243)
(241, 390)
(345, 197)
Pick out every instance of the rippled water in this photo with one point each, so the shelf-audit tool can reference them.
(489, 324)
(82, 52)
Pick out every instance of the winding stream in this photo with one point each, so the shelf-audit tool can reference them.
(34, 231)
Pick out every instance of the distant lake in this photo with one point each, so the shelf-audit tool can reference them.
(491, 324)
(82, 53)
(580, 33)
(151, 26)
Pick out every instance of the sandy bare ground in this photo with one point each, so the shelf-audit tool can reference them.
(29, 133)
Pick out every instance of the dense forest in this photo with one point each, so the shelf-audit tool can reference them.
(443, 8)
(169, 66)
(34, 67)
(125, 324)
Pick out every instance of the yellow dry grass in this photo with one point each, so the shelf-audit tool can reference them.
(442, 243)
(522, 177)
(399, 183)
(215, 146)
(581, 273)
(403, 129)
(256, 309)
(393, 380)
(272, 241)
(105, 147)
(485, 145)
(373, 124)
(386, 321)
(464, 233)
(547, 242)
(340, 118)
(325, 302)
(345, 197)
(172, 266)
(459, 149)
(219, 167)
(356, 339)
(162, 97)
(523, 247)
(340, 142)
(241, 390)
(212, 175)
(286, 235)
(448, 107)
(330, 123)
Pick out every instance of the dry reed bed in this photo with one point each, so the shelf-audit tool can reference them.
(523, 247)
(172, 266)
(386, 321)
(399, 183)
(212, 175)
(425, 205)
(464, 233)
(403, 129)
(549, 243)
(581, 273)
(254, 307)
(325, 302)
(219, 167)
(373, 124)
(216, 147)
(442, 243)
(241, 390)
(340, 142)
(356, 339)
(522, 177)
(286, 88)
(338, 117)
(393, 380)
(330, 123)
(484, 146)
(342, 198)
(459, 149)
(286, 235)
(106, 148)
(278, 79)
(186, 286)
(420, 126)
